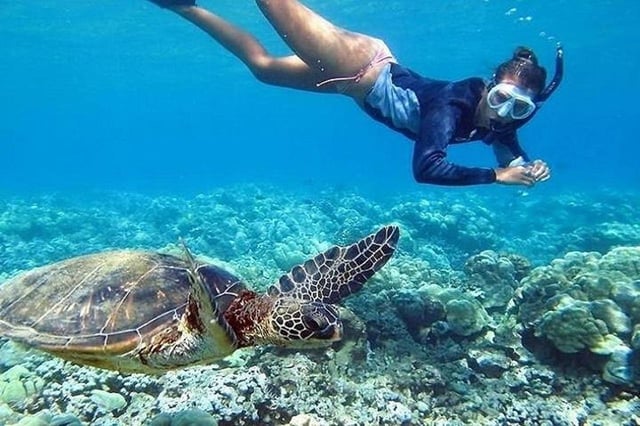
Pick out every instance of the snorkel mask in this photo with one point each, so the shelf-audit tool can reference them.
(508, 99)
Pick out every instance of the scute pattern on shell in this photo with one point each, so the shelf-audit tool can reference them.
(100, 302)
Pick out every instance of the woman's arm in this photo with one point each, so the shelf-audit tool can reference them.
(430, 163)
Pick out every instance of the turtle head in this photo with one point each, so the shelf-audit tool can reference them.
(302, 323)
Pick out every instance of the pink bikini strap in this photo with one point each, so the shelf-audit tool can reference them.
(381, 55)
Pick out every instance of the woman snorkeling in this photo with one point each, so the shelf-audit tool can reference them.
(433, 113)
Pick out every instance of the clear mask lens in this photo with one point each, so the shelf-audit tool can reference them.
(522, 109)
(508, 99)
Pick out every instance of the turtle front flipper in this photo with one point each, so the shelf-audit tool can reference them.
(340, 271)
(202, 333)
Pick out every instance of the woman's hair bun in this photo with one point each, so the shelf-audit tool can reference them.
(524, 53)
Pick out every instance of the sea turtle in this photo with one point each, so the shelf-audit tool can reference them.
(148, 312)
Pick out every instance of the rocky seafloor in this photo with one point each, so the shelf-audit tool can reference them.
(496, 309)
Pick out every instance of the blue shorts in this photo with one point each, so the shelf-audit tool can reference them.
(395, 106)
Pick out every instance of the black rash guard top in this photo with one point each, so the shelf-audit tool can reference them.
(434, 114)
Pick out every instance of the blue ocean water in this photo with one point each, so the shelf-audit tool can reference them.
(122, 127)
(123, 95)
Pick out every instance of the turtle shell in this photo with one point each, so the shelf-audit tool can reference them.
(89, 308)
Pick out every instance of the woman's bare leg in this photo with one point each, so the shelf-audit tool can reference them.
(322, 50)
(289, 71)
(332, 50)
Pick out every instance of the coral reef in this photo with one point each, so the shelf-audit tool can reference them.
(495, 310)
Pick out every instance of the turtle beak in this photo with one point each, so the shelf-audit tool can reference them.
(331, 333)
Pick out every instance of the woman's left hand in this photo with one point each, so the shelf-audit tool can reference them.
(539, 170)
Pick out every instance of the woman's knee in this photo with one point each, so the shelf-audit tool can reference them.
(267, 3)
(262, 70)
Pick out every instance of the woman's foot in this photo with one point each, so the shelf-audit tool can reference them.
(173, 3)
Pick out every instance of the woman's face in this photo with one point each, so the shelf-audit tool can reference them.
(506, 102)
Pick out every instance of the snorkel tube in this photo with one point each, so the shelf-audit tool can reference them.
(557, 78)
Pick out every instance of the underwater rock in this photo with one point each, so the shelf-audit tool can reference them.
(466, 317)
(192, 417)
(572, 327)
(12, 354)
(495, 276)
(65, 420)
(623, 367)
(588, 301)
(491, 364)
(303, 420)
(18, 385)
(625, 260)
(108, 401)
(627, 296)
(162, 419)
(536, 290)
(6, 413)
(418, 312)
(521, 265)
(13, 393)
(616, 320)
(432, 309)
(398, 413)
(42, 418)
(440, 328)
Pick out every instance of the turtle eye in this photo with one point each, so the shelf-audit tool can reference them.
(313, 316)
(314, 323)
(320, 328)
(321, 323)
